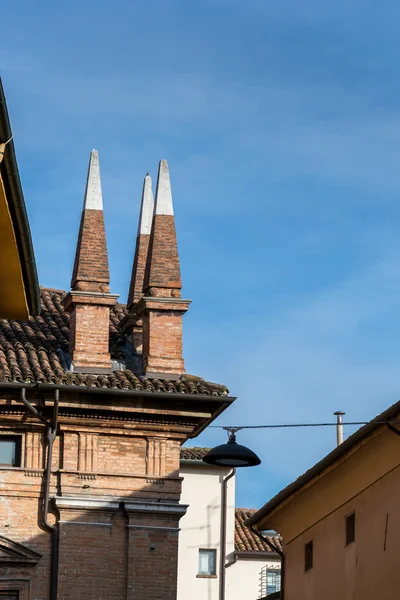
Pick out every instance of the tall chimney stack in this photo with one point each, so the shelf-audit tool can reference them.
(89, 300)
(161, 308)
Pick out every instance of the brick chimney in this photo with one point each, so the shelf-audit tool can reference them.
(132, 323)
(161, 307)
(142, 244)
(89, 300)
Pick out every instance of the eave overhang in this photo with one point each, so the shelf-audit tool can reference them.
(19, 286)
(196, 410)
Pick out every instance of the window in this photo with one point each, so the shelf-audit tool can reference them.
(273, 581)
(10, 450)
(207, 562)
(308, 556)
(350, 528)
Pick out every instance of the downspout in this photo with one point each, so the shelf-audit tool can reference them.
(51, 433)
(278, 551)
(222, 559)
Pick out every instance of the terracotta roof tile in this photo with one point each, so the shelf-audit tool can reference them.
(193, 453)
(38, 351)
(245, 540)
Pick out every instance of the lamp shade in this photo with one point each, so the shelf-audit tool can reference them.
(232, 455)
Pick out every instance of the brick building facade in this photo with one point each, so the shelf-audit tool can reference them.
(94, 407)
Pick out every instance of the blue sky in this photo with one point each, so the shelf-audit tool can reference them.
(281, 125)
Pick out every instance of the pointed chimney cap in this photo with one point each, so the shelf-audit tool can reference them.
(146, 208)
(93, 197)
(163, 193)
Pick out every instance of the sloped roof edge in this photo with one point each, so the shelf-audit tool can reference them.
(18, 210)
(323, 464)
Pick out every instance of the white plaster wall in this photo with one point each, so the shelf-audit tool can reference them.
(200, 528)
(243, 579)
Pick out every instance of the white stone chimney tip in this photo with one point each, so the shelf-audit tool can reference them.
(93, 196)
(146, 208)
(163, 193)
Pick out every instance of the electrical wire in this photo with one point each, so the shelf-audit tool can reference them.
(287, 425)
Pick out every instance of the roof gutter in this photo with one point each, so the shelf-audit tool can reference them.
(17, 209)
(264, 555)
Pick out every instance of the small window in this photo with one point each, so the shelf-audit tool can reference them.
(350, 528)
(10, 450)
(273, 581)
(207, 562)
(308, 556)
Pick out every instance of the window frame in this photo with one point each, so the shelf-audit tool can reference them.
(20, 586)
(212, 551)
(11, 437)
(277, 573)
(308, 556)
(350, 528)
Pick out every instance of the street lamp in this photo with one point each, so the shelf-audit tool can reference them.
(235, 456)
(232, 454)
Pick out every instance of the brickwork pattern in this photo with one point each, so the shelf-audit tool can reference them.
(91, 272)
(106, 551)
(89, 341)
(138, 270)
(162, 269)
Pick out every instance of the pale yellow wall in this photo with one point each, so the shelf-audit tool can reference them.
(364, 569)
(368, 482)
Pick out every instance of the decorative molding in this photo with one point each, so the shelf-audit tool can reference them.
(156, 456)
(90, 476)
(16, 585)
(87, 452)
(153, 527)
(167, 508)
(154, 479)
(79, 503)
(34, 472)
(85, 523)
(33, 450)
(13, 553)
(71, 412)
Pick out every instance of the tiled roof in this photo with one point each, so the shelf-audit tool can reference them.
(193, 453)
(38, 351)
(245, 540)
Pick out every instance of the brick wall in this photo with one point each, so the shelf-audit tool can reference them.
(162, 334)
(89, 341)
(116, 488)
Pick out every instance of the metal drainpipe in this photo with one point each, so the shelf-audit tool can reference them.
(51, 432)
(281, 554)
(222, 565)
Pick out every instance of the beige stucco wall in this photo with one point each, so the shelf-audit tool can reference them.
(367, 482)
